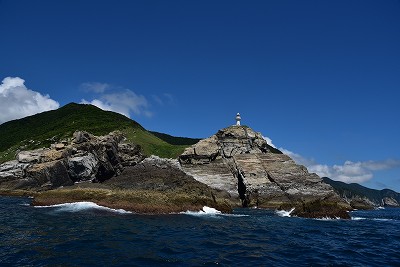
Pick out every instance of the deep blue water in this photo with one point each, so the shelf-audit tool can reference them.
(84, 235)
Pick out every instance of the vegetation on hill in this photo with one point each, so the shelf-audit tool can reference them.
(45, 128)
(353, 190)
(173, 140)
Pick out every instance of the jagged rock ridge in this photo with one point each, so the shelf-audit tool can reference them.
(84, 158)
(239, 160)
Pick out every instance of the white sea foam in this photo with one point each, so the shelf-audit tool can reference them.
(211, 210)
(205, 211)
(328, 219)
(82, 206)
(358, 218)
(284, 213)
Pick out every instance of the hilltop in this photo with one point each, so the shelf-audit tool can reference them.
(49, 127)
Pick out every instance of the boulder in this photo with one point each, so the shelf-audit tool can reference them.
(31, 156)
(12, 170)
(81, 137)
(129, 154)
(83, 167)
(59, 146)
(53, 173)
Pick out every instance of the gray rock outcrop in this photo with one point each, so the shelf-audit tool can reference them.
(86, 157)
(391, 202)
(82, 167)
(239, 160)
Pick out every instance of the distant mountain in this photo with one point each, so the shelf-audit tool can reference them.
(355, 192)
(45, 128)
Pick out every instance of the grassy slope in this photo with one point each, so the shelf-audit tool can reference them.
(352, 190)
(42, 129)
(173, 140)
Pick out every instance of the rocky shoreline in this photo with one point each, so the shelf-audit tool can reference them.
(233, 168)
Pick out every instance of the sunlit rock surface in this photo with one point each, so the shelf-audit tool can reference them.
(239, 160)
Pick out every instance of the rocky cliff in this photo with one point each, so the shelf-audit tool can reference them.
(239, 160)
(236, 165)
(84, 158)
(110, 172)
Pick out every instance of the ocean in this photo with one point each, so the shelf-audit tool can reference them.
(84, 234)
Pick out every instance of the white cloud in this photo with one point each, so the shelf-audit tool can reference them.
(269, 141)
(349, 172)
(124, 102)
(17, 101)
(95, 87)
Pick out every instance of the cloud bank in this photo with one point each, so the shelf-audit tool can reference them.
(17, 101)
(123, 101)
(349, 172)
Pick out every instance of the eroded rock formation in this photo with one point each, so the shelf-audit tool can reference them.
(239, 160)
(236, 164)
(86, 157)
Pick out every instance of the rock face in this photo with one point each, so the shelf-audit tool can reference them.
(239, 160)
(389, 201)
(86, 157)
(154, 173)
(236, 164)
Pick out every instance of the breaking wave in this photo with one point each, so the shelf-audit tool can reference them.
(284, 213)
(207, 211)
(82, 206)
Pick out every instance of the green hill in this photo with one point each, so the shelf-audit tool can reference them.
(42, 129)
(173, 140)
(352, 190)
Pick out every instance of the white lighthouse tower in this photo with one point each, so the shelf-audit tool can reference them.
(238, 118)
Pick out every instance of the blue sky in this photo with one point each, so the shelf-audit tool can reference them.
(319, 78)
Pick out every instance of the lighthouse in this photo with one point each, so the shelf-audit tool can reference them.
(238, 118)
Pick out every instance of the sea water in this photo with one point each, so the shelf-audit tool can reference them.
(85, 234)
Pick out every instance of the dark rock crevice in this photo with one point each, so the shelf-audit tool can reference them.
(244, 197)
